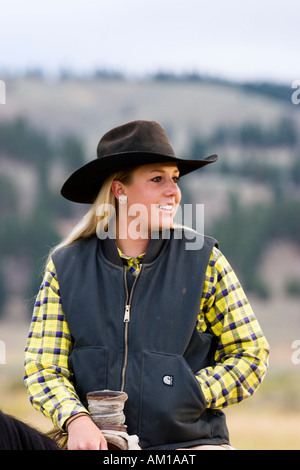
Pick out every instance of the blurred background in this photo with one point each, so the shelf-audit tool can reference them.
(219, 79)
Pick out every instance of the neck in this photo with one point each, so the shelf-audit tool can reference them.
(127, 244)
(132, 247)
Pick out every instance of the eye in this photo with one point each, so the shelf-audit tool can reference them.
(157, 179)
(176, 179)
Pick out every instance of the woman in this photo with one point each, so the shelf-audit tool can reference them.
(124, 305)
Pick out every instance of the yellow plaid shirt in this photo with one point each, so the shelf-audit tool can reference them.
(241, 357)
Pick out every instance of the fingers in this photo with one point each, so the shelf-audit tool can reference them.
(83, 434)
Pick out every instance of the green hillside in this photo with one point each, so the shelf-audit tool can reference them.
(49, 128)
(251, 200)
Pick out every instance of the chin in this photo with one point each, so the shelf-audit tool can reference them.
(167, 225)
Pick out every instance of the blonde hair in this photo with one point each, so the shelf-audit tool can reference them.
(92, 222)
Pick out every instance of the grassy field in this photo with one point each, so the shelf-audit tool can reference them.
(263, 430)
(250, 428)
(268, 421)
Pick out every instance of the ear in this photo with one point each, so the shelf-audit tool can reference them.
(117, 188)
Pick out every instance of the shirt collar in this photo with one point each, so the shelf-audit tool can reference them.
(131, 263)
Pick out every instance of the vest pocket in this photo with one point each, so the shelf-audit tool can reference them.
(89, 366)
(172, 401)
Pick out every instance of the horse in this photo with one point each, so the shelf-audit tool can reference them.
(17, 435)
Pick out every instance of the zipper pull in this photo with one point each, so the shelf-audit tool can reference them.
(127, 314)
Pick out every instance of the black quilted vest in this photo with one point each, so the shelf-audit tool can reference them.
(139, 335)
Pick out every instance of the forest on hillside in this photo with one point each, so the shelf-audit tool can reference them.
(243, 232)
(27, 236)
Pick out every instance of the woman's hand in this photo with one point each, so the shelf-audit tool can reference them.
(83, 434)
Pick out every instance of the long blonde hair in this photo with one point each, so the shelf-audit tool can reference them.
(92, 222)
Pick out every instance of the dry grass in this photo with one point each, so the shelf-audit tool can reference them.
(269, 420)
(249, 429)
(269, 430)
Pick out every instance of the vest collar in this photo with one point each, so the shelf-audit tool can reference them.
(156, 244)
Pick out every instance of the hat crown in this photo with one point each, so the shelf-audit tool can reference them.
(135, 136)
(128, 146)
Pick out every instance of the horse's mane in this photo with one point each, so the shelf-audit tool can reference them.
(17, 435)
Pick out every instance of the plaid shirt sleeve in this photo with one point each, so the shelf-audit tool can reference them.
(47, 376)
(242, 350)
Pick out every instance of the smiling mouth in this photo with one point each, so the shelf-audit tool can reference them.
(166, 207)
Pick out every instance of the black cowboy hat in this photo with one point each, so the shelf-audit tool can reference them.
(133, 144)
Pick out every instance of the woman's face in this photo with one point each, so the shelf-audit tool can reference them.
(153, 197)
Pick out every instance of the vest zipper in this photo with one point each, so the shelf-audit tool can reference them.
(126, 320)
(127, 314)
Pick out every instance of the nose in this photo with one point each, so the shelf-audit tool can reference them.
(172, 189)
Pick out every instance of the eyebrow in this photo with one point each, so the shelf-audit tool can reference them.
(163, 171)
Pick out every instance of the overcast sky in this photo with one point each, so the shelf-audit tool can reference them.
(235, 39)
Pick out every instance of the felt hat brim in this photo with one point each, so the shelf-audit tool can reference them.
(85, 183)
